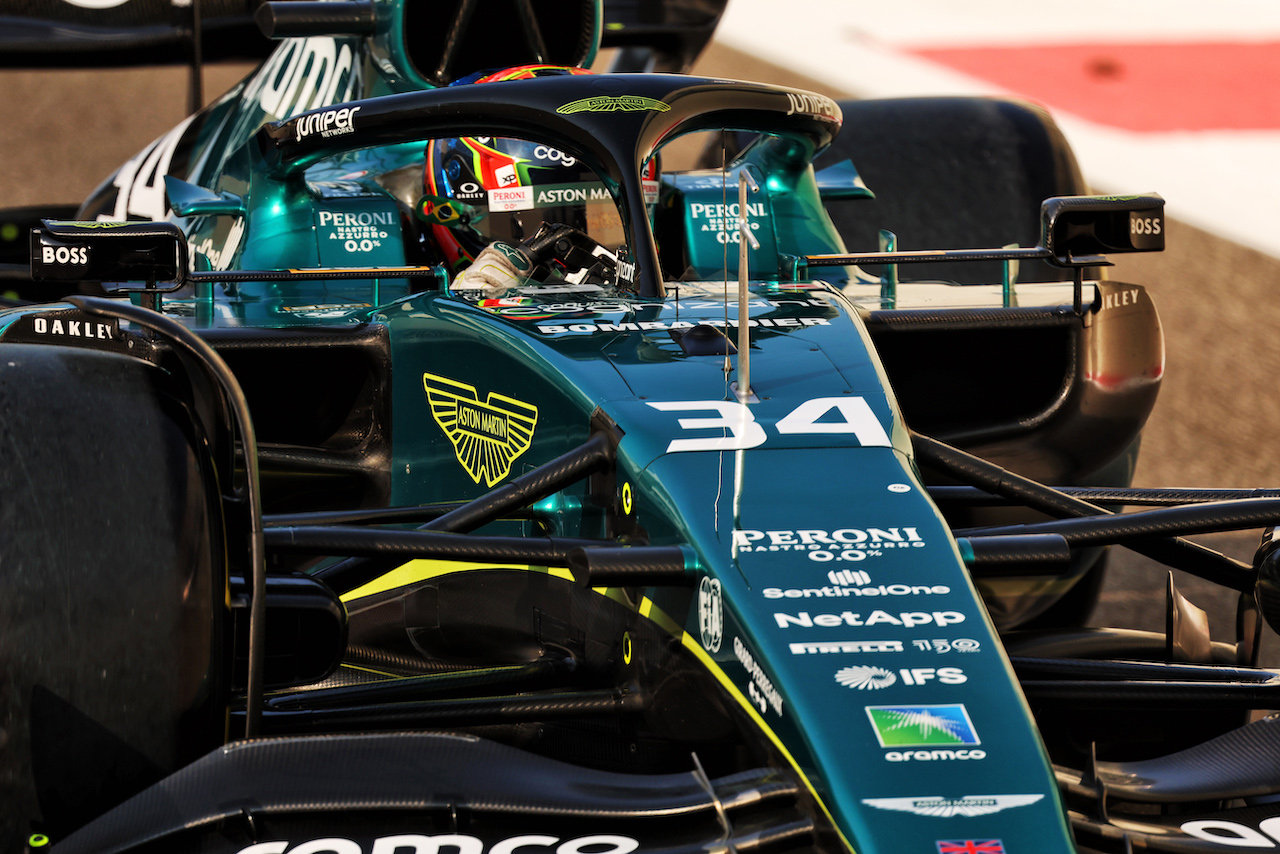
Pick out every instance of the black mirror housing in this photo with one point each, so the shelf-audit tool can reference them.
(1079, 230)
(151, 252)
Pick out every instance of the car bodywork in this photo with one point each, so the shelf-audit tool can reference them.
(547, 569)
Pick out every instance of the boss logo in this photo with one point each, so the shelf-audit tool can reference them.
(78, 255)
(1145, 224)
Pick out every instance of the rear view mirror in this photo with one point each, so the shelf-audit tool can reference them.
(1078, 230)
(151, 252)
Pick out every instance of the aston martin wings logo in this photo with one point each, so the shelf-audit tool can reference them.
(487, 435)
(969, 805)
(612, 104)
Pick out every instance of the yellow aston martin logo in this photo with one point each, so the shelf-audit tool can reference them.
(612, 104)
(487, 435)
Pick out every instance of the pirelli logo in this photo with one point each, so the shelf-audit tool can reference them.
(487, 436)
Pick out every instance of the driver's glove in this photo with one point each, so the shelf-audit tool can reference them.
(499, 267)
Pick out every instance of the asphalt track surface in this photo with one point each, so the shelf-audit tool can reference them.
(1217, 422)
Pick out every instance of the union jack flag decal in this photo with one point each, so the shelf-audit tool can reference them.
(970, 846)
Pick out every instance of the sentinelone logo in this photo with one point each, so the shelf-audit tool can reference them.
(846, 583)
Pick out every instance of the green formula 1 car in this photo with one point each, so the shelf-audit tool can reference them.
(433, 447)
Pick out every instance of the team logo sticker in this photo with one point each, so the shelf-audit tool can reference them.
(970, 846)
(613, 104)
(864, 678)
(922, 726)
(969, 805)
(710, 614)
(488, 435)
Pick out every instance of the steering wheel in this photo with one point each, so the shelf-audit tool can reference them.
(559, 252)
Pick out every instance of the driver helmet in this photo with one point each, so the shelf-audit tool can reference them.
(482, 189)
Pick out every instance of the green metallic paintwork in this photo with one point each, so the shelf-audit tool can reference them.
(790, 483)
(822, 723)
(786, 216)
(571, 356)
(434, 334)
(358, 232)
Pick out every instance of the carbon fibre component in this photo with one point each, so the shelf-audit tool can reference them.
(637, 566)
(1104, 495)
(1187, 555)
(1133, 528)
(436, 545)
(52, 34)
(418, 774)
(1239, 764)
(995, 556)
(306, 631)
(534, 675)
(310, 18)
(1081, 230)
(455, 713)
(589, 458)
(325, 437)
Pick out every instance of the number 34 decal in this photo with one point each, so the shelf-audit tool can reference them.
(741, 430)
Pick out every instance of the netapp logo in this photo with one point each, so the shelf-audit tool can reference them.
(907, 619)
(453, 843)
